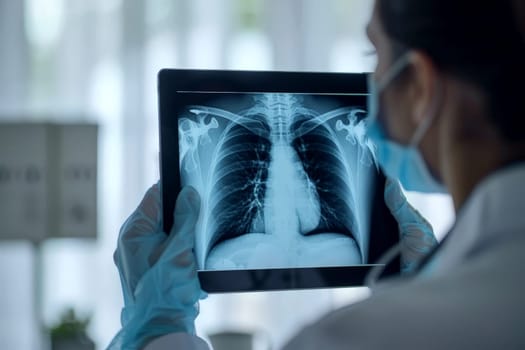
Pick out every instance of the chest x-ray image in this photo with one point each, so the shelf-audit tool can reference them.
(284, 179)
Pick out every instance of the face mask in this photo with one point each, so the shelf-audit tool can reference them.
(401, 162)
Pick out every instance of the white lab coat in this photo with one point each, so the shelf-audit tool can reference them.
(470, 296)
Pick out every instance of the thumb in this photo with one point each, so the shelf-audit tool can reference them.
(182, 234)
(395, 199)
(186, 212)
(399, 206)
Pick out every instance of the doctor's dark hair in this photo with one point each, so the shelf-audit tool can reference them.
(482, 42)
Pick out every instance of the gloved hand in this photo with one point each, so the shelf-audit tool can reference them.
(417, 237)
(158, 272)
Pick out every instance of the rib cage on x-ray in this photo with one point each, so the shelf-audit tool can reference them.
(278, 168)
(240, 180)
(322, 161)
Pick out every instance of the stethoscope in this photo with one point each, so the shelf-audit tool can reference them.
(394, 252)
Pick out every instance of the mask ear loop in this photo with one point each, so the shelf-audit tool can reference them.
(427, 122)
(393, 72)
(373, 276)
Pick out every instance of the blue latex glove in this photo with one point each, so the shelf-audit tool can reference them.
(158, 272)
(417, 237)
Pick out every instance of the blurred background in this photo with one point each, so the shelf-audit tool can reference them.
(94, 64)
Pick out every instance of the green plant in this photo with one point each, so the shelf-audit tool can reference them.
(70, 326)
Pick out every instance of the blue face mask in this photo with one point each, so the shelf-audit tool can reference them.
(402, 162)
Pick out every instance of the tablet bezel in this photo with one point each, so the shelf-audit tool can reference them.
(171, 81)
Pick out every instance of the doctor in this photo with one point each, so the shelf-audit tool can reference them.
(447, 113)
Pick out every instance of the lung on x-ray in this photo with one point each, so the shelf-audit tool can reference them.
(284, 179)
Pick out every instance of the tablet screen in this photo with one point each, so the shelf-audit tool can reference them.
(286, 175)
(284, 178)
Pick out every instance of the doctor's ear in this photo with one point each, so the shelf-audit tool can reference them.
(423, 85)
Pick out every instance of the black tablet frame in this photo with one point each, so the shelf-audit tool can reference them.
(384, 229)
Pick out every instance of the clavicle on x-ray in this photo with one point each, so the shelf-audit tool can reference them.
(284, 180)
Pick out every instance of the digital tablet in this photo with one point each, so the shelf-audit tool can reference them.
(291, 195)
